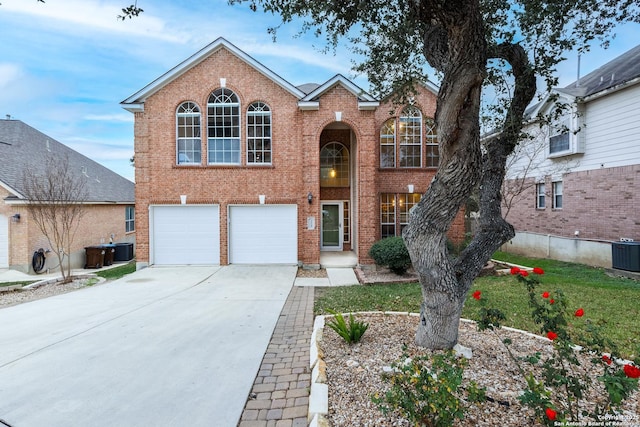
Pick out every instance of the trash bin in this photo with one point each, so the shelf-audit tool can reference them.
(108, 253)
(124, 252)
(94, 257)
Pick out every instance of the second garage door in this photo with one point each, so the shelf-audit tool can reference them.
(185, 234)
(263, 234)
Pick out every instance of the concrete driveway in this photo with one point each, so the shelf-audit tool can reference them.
(171, 346)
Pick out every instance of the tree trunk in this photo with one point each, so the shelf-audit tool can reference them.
(457, 118)
(446, 280)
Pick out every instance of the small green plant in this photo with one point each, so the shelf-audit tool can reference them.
(351, 332)
(392, 252)
(559, 391)
(426, 389)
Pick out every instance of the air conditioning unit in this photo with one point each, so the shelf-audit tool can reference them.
(626, 256)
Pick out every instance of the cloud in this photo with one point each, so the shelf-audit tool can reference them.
(124, 117)
(92, 14)
(9, 73)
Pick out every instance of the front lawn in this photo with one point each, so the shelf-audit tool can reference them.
(613, 302)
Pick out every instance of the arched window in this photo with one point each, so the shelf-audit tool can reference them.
(410, 136)
(334, 165)
(258, 133)
(431, 144)
(388, 144)
(223, 127)
(188, 140)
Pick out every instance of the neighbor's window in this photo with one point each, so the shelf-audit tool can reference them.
(557, 194)
(129, 219)
(223, 127)
(559, 137)
(387, 215)
(258, 133)
(410, 137)
(188, 138)
(432, 152)
(334, 165)
(388, 144)
(540, 196)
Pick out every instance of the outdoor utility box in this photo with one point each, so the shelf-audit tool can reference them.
(94, 257)
(626, 256)
(108, 253)
(124, 252)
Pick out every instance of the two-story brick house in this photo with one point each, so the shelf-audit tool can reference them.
(236, 165)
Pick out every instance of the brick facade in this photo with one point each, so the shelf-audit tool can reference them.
(96, 226)
(601, 204)
(297, 136)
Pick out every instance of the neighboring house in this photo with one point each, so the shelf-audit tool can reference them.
(109, 209)
(583, 190)
(236, 165)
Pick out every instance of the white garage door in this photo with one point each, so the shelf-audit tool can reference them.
(185, 234)
(4, 241)
(263, 234)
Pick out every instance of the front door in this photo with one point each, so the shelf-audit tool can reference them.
(331, 226)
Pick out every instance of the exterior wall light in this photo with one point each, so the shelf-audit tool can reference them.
(16, 218)
(310, 197)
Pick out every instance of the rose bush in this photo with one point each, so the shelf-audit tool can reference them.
(558, 386)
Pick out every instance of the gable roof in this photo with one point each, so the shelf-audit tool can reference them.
(136, 101)
(616, 73)
(311, 99)
(22, 147)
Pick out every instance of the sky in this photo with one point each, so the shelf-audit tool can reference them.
(65, 65)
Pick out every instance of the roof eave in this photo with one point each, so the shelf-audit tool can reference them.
(309, 105)
(368, 105)
(140, 96)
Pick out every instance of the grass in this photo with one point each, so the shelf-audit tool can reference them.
(610, 301)
(6, 284)
(117, 272)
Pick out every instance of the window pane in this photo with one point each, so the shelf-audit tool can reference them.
(431, 140)
(410, 135)
(223, 127)
(258, 133)
(334, 165)
(540, 202)
(388, 144)
(387, 215)
(188, 133)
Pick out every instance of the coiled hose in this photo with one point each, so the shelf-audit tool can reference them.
(37, 262)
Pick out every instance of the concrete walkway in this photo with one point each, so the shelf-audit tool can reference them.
(161, 347)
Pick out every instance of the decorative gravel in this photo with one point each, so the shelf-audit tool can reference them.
(20, 296)
(354, 373)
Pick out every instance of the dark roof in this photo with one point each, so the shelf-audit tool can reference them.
(622, 69)
(22, 146)
(307, 88)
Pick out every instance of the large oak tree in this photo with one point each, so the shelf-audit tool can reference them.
(471, 44)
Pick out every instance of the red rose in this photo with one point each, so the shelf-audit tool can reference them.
(515, 270)
(631, 371)
(545, 295)
(551, 301)
(606, 359)
(551, 414)
(538, 270)
(579, 312)
(524, 273)
(552, 335)
(476, 295)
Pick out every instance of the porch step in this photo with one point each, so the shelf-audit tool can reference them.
(338, 259)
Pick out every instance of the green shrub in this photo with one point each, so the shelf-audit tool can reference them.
(352, 332)
(391, 252)
(426, 389)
